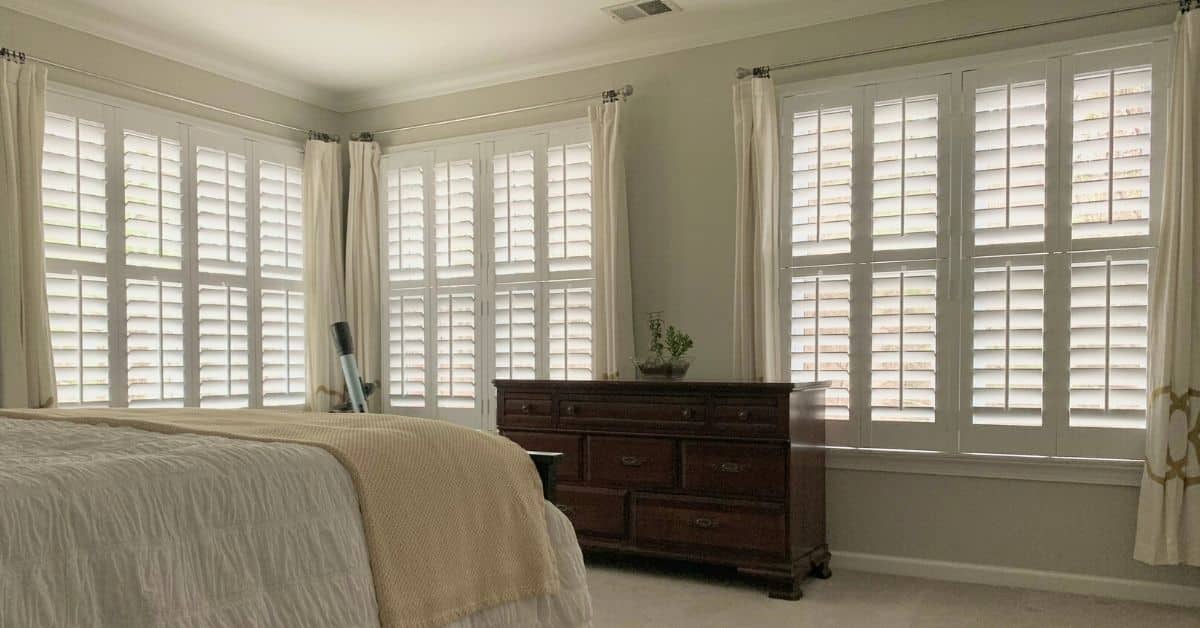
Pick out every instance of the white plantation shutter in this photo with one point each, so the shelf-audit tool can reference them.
(280, 228)
(1110, 153)
(282, 347)
(569, 206)
(454, 219)
(820, 337)
(821, 177)
(406, 354)
(1007, 334)
(154, 343)
(513, 213)
(1108, 343)
(456, 346)
(221, 211)
(905, 153)
(516, 331)
(904, 345)
(569, 340)
(78, 306)
(153, 201)
(1010, 163)
(74, 203)
(224, 347)
(405, 200)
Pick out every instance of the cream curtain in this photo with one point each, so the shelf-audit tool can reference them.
(612, 330)
(757, 354)
(1168, 530)
(362, 263)
(323, 276)
(26, 360)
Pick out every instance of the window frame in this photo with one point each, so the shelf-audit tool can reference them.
(1062, 60)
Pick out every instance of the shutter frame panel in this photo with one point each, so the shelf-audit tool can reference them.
(407, 365)
(1011, 134)
(821, 337)
(904, 345)
(224, 346)
(906, 152)
(221, 211)
(822, 180)
(516, 331)
(569, 314)
(569, 206)
(283, 347)
(155, 343)
(456, 346)
(74, 194)
(78, 307)
(281, 240)
(153, 201)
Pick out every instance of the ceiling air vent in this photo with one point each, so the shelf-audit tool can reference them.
(637, 10)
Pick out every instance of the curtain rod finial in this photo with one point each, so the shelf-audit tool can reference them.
(627, 91)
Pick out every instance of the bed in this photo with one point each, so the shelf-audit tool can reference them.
(112, 526)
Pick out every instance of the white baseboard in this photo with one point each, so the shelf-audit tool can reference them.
(1062, 582)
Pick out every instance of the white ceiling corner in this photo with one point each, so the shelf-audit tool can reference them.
(356, 54)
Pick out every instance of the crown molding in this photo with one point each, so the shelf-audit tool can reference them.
(430, 86)
(96, 23)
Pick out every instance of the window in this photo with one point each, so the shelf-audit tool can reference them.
(489, 272)
(159, 271)
(1014, 326)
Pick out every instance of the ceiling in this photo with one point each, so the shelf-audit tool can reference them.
(353, 54)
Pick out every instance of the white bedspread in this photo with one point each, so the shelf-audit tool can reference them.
(121, 528)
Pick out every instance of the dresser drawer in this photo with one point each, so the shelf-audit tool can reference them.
(569, 445)
(751, 416)
(706, 523)
(634, 412)
(735, 469)
(596, 511)
(632, 462)
(526, 410)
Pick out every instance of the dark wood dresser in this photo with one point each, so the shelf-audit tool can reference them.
(716, 472)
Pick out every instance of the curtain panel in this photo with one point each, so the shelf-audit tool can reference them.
(362, 264)
(613, 326)
(324, 278)
(757, 350)
(1168, 530)
(26, 357)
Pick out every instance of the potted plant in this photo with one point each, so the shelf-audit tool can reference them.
(668, 357)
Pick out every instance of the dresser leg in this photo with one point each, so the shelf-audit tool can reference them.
(820, 563)
(781, 585)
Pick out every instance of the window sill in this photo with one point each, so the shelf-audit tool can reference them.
(1029, 468)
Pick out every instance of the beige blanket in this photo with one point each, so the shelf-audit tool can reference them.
(454, 518)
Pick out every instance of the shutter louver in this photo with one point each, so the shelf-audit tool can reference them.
(78, 306)
(456, 350)
(822, 165)
(820, 338)
(73, 189)
(1008, 344)
(903, 346)
(516, 333)
(406, 224)
(153, 207)
(406, 354)
(224, 347)
(513, 207)
(1010, 163)
(569, 207)
(905, 202)
(570, 332)
(1108, 343)
(220, 211)
(454, 219)
(283, 347)
(154, 337)
(280, 221)
(1110, 158)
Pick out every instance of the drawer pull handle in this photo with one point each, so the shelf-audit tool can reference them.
(566, 510)
(730, 467)
(569, 410)
(632, 461)
(743, 415)
(525, 408)
(705, 522)
(688, 413)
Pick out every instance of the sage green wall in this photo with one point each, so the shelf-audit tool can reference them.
(681, 187)
(50, 41)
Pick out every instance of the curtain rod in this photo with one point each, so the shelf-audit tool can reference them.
(609, 95)
(21, 57)
(765, 70)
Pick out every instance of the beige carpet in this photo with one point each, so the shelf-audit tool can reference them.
(632, 593)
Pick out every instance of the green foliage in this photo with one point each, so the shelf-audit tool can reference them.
(675, 344)
(656, 335)
(678, 343)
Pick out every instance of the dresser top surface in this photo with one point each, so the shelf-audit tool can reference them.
(662, 384)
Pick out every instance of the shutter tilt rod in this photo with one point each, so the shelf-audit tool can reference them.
(765, 70)
(610, 95)
(21, 57)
